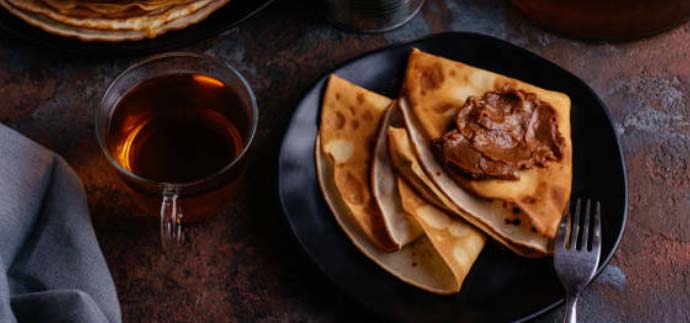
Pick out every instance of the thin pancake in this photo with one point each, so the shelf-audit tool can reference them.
(350, 118)
(494, 217)
(81, 12)
(144, 21)
(457, 242)
(405, 163)
(436, 88)
(402, 227)
(524, 241)
(89, 34)
(417, 264)
(343, 146)
(111, 7)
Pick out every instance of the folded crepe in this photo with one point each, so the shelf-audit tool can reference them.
(437, 261)
(456, 241)
(434, 89)
(407, 165)
(385, 191)
(129, 17)
(350, 120)
(111, 7)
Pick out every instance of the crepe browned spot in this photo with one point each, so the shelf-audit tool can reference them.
(434, 89)
(122, 28)
(350, 119)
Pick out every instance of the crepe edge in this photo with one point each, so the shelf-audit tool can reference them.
(352, 235)
(379, 148)
(131, 24)
(64, 30)
(558, 99)
(519, 247)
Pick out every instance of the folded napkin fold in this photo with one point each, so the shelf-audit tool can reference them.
(51, 267)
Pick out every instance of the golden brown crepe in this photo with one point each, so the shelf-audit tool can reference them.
(117, 21)
(407, 165)
(434, 89)
(417, 264)
(437, 261)
(111, 7)
(456, 241)
(350, 119)
(141, 20)
(401, 225)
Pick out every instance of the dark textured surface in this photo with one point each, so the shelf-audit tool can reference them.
(244, 265)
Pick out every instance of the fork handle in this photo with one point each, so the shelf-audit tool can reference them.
(570, 308)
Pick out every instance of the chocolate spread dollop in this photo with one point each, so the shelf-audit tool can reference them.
(500, 133)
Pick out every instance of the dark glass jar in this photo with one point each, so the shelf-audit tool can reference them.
(606, 19)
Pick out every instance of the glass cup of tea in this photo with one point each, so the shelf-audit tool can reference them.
(177, 128)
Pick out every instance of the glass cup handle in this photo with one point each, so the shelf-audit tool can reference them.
(171, 217)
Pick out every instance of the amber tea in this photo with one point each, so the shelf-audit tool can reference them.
(177, 128)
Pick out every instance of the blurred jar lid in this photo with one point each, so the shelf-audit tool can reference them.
(606, 19)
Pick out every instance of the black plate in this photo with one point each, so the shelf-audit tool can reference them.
(501, 287)
(223, 19)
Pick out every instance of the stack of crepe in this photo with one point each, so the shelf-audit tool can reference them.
(397, 201)
(111, 20)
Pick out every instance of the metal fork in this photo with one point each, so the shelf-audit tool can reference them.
(577, 250)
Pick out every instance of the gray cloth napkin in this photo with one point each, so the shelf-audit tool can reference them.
(51, 267)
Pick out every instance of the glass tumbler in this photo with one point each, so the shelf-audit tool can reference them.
(198, 197)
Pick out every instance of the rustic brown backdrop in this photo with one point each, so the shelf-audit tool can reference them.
(245, 265)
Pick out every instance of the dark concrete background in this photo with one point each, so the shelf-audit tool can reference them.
(245, 265)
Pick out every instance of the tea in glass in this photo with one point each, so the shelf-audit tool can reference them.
(176, 127)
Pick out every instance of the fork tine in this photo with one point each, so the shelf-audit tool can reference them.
(584, 244)
(596, 235)
(561, 238)
(575, 225)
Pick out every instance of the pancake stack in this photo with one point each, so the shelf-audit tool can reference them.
(111, 20)
(403, 207)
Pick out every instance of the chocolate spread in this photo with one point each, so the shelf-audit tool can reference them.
(500, 133)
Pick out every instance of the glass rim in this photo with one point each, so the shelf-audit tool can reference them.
(189, 184)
